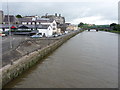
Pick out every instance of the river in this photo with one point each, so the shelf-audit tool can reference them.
(88, 60)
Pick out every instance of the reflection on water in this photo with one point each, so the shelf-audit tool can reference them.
(88, 60)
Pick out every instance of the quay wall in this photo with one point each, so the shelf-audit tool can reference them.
(10, 72)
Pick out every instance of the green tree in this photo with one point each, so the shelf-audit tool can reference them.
(18, 16)
(80, 24)
(113, 25)
(117, 27)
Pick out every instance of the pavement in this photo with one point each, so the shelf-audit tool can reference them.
(9, 44)
(15, 41)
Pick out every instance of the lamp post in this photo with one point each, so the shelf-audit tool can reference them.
(35, 22)
(11, 62)
(9, 26)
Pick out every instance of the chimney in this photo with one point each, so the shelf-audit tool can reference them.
(56, 14)
(46, 14)
(59, 15)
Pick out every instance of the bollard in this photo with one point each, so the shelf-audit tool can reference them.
(11, 62)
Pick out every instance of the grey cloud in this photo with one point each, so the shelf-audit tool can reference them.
(71, 10)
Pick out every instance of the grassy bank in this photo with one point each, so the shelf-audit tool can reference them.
(112, 31)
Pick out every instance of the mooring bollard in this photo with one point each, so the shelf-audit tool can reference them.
(11, 62)
(27, 53)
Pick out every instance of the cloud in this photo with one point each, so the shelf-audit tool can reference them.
(98, 20)
(60, 1)
(74, 12)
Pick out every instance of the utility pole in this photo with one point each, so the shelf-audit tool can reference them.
(9, 26)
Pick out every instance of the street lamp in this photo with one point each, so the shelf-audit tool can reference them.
(9, 30)
(9, 26)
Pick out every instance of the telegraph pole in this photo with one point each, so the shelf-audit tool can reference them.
(9, 26)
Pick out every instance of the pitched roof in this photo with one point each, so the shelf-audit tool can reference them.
(43, 26)
(11, 17)
(44, 20)
(27, 26)
(24, 19)
(7, 26)
(23, 26)
(41, 20)
(13, 27)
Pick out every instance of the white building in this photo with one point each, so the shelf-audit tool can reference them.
(45, 26)
(52, 24)
(45, 30)
(50, 29)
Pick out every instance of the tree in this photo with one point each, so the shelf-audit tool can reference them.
(80, 24)
(117, 27)
(18, 16)
(113, 26)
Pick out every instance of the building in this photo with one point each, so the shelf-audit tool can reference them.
(35, 16)
(47, 27)
(5, 27)
(45, 30)
(41, 24)
(72, 27)
(25, 21)
(44, 26)
(1, 16)
(51, 23)
(59, 20)
(11, 18)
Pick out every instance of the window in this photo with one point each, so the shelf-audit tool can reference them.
(33, 22)
(53, 28)
(53, 24)
(39, 34)
(24, 23)
(29, 23)
(37, 23)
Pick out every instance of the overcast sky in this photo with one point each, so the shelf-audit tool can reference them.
(87, 11)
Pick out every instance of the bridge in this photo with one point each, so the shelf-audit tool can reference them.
(93, 29)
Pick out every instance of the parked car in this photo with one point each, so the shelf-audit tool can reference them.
(55, 35)
(66, 32)
(2, 34)
(60, 34)
(36, 36)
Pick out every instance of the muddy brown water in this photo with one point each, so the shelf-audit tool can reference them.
(88, 60)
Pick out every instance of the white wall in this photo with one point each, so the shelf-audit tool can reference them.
(48, 32)
(51, 24)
